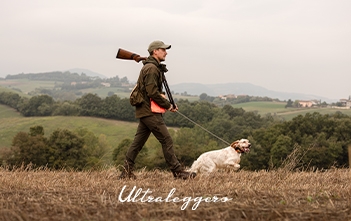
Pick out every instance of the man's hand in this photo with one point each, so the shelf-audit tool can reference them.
(172, 109)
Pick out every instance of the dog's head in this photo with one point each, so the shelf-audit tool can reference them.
(241, 146)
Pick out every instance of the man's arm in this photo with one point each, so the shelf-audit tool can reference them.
(153, 91)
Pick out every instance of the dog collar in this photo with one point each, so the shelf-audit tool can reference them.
(239, 151)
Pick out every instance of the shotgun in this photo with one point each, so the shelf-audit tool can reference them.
(127, 55)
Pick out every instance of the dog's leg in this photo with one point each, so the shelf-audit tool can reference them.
(237, 166)
(208, 168)
(234, 166)
(194, 167)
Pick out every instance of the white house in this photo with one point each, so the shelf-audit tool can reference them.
(345, 102)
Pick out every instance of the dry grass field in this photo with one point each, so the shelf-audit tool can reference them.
(42, 194)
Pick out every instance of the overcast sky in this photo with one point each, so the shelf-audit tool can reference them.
(301, 46)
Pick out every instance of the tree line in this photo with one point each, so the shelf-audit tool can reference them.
(323, 138)
(112, 107)
(52, 76)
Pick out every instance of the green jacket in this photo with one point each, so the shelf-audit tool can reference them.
(150, 81)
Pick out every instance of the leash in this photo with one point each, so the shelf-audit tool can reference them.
(203, 128)
(170, 97)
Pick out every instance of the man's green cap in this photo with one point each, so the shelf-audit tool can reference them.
(156, 45)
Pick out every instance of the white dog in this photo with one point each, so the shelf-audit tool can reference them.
(228, 157)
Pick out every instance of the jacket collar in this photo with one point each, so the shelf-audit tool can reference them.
(152, 60)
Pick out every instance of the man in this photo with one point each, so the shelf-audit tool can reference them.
(150, 82)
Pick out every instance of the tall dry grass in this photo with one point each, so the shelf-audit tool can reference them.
(42, 194)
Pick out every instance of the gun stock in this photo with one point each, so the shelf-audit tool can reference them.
(127, 55)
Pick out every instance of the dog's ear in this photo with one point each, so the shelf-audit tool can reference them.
(234, 143)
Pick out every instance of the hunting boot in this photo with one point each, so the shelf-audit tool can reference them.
(182, 174)
(127, 172)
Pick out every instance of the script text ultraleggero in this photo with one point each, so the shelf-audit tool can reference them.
(141, 196)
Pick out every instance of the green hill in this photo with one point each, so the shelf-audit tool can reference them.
(26, 85)
(7, 89)
(262, 107)
(115, 131)
(7, 112)
(278, 109)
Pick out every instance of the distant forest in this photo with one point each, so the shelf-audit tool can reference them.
(53, 76)
(68, 85)
(68, 77)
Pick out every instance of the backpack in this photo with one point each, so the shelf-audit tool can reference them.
(136, 97)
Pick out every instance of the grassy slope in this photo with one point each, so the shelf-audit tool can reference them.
(7, 112)
(11, 123)
(9, 89)
(26, 85)
(262, 107)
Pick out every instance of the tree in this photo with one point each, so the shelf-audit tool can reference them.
(36, 130)
(281, 149)
(109, 107)
(232, 112)
(94, 147)
(110, 93)
(66, 150)
(124, 80)
(10, 99)
(66, 109)
(37, 106)
(258, 157)
(125, 110)
(30, 148)
(289, 103)
(143, 159)
(118, 154)
(203, 96)
(89, 104)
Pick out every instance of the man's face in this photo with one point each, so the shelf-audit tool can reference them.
(160, 54)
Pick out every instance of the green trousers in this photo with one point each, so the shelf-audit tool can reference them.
(153, 124)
